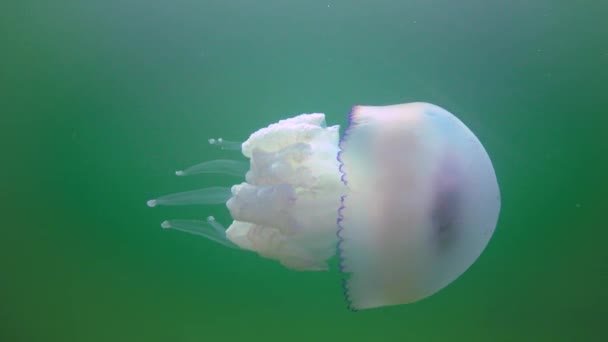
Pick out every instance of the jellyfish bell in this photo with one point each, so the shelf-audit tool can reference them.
(422, 204)
(408, 199)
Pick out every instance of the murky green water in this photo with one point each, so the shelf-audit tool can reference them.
(101, 101)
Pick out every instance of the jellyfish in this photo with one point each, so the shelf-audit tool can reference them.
(407, 199)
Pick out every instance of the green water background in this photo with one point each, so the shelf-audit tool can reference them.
(101, 101)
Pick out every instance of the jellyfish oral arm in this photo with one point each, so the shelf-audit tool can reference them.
(209, 229)
(225, 144)
(286, 209)
(213, 195)
(221, 166)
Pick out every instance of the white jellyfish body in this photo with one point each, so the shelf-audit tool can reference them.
(286, 209)
(408, 199)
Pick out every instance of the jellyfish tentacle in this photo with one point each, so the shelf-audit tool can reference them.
(212, 195)
(225, 144)
(224, 166)
(219, 228)
(209, 229)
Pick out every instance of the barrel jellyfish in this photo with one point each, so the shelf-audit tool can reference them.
(407, 198)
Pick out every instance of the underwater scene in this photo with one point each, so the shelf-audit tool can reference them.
(331, 170)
